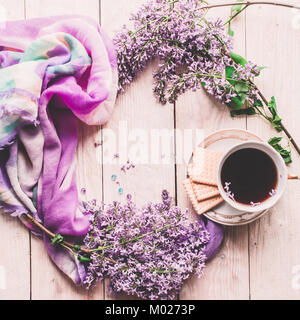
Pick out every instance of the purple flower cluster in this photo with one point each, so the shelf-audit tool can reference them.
(193, 51)
(147, 252)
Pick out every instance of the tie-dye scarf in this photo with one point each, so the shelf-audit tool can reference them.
(53, 71)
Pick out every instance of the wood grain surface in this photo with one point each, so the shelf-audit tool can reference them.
(259, 261)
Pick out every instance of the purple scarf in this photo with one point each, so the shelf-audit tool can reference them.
(52, 72)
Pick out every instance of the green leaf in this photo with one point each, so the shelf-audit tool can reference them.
(229, 71)
(274, 141)
(286, 154)
(248, 111)
(276, 120)
(77, 247)
(236, 8)
(84, 259)
(258, 103)
(109, 229)
(57, 239)
(273, 107)
(261, 68)
(241, 87)
(238, 59)
(277, 125)
(237, 103)
(230, 31)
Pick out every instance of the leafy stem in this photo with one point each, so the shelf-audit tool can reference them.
(284, 152)
(235, 15)
(283, 127)
(279, 126)
(76, 249)
(136, 239)
(56, 238)
(220, 76)
(248, 3)
(275, 120)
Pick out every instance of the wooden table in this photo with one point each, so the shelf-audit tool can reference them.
(259, 261)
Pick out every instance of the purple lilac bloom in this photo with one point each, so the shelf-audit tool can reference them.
(193, 52)
(227, 186)
(229, 193)
(147, 252)
(255, 204)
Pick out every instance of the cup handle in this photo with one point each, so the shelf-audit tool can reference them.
(293, 177)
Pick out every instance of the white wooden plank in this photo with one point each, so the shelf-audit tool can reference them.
(226, 276)
(15, 245)
(272, 41)
(13, 9)
(37, 8)
(47, 281)
(140, 110)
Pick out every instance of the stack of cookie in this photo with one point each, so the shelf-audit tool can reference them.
(201, 186)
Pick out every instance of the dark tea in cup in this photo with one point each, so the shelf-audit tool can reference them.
(249, 176)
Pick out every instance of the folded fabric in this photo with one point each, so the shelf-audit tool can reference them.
(53, 71)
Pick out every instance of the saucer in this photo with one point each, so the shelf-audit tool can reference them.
(222, 141)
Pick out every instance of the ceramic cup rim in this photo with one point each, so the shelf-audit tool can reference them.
(281, 171)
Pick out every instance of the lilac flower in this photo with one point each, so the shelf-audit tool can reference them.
(253, 204)
(229, 193)
(147, 252)
(193, 52)
(227, 185)
(123, 168)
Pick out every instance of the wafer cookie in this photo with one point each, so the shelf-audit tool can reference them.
(205, 165)
(204, 191)
(200, 206)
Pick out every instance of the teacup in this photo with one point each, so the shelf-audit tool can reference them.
(271, 161)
